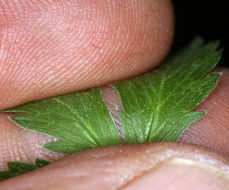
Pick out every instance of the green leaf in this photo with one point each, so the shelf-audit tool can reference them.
(18, 168)
(79, 120)
(157, 106)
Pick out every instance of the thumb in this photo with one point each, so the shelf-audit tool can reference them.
(159, 166)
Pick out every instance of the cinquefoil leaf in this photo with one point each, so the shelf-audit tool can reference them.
(157, 107)
(79, 120)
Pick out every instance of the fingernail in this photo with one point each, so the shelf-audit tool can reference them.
(179, 173)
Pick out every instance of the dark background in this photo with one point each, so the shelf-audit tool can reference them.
(206, 18)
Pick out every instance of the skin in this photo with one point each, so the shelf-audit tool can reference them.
(48, 48)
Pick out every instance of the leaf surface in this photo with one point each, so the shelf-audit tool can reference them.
(157, 107)
(79, 120)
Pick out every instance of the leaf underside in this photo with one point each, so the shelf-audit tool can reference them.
(157, 106)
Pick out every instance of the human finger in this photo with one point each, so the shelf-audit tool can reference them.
(48, 48)
(164, 166)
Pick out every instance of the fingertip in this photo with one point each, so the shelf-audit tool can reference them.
(63, 47)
